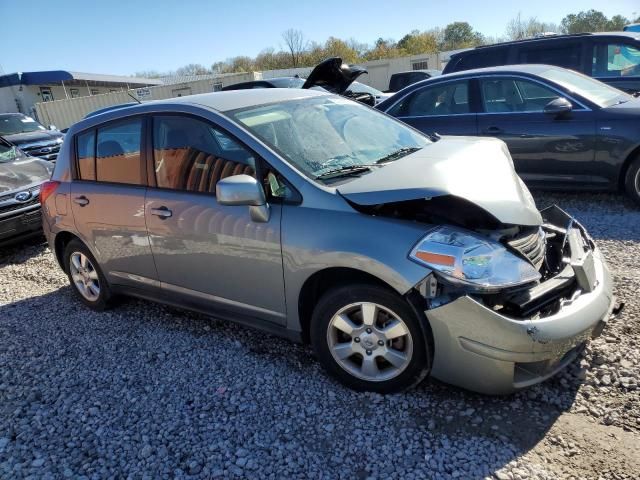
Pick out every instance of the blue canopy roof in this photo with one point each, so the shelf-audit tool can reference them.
(57, 76)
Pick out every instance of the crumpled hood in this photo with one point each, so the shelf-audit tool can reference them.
(479, 170)
(21, 173)
(33, 137)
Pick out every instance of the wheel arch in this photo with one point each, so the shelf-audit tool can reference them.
(61, 241)
(635, 153)
(323, 280)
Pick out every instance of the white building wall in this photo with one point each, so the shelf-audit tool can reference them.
(64, 113)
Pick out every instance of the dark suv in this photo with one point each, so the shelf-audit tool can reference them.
(33, 139)
(612, 58)
(20, 180)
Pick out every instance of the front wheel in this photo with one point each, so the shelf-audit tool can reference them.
(370, 338)
(632, 181)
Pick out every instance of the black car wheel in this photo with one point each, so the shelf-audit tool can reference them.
(632, 181)
(85, 276)
(370, 338)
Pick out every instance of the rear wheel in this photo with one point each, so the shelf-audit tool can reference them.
(370, 338)
(632, 181)
(85, 276)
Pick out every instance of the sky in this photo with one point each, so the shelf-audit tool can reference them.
(123, 37)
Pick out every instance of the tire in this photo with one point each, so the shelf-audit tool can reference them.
(381, 359)
(632, 181)
(86, 277)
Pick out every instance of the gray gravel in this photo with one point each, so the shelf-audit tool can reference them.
(145, 391)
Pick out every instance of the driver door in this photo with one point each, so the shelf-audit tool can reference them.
(206, 254)
(547, 149)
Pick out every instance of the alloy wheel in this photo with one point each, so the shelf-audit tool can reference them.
(84, 276)
(370, 341)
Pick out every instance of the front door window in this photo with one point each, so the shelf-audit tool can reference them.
(508, 95)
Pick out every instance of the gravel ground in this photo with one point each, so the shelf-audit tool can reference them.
(145, 391)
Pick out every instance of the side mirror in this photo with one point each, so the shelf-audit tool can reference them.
(558, 106)
(52, 127)
(244, 190)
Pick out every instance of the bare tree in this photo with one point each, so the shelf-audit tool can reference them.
(295, 43)
(519, 28)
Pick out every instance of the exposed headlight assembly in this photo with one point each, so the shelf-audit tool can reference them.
(469, 259)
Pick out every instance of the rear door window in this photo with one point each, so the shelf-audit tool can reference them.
(565, 54)
(615, 59)
(189, 154)
(118, 153)
(441, 99)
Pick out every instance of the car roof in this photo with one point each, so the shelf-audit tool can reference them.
(430, 71)
(229, 100)
(11, 114)
(548, 38)
(532, 69)
(219, 101)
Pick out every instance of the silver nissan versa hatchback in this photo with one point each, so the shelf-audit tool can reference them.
(311, 216)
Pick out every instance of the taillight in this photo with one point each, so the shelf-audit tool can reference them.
(46, 189)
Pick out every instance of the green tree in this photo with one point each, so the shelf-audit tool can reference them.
(417, 42)
(334, 47)
(383, 49)
(460, 35)
(617, 23)
(591, 21)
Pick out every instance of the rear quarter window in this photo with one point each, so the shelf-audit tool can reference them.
(566, 54)
(86, 148)
(491, 57)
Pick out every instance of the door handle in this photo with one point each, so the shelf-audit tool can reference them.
(162, 212)
(81, 200)
(493, 130)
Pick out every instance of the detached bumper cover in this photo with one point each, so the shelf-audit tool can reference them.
(479, 349)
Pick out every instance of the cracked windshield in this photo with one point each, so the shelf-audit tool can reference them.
(328, 138)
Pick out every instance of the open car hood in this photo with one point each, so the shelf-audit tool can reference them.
(478, 171)
(333, 75)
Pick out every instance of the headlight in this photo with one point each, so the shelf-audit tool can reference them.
(463, 257)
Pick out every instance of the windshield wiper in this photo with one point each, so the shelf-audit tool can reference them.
(398, 154)
(345, 170)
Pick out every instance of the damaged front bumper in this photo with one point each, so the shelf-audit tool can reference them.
(481, 349)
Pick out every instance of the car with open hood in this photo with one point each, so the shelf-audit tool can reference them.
(20, 180)
(311, 216)
(30, 136)
(331, 75)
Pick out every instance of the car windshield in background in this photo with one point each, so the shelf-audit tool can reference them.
(358, 87)
(12, 124)
(8, 153)
(597, 92)
(293, 82)
(326, 134)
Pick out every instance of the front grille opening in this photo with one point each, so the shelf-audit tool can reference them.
(531, 245)
(18, 206)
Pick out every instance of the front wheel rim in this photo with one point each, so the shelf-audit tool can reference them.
(370, 341)
(84, 276)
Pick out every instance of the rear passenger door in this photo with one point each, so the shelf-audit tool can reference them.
(441, 107)
(209, 255)
(107, 199)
